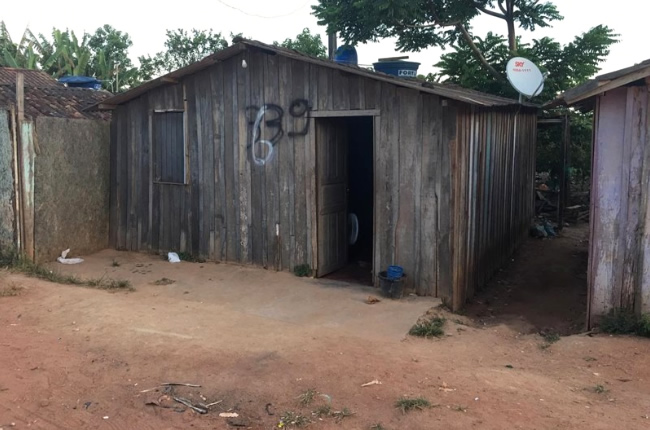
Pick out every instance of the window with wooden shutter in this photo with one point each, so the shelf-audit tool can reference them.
(168, 147)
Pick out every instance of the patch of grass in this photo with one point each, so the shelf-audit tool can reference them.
(186, 256)
(621, 321)
(644, 325)
(115, 263)
(322, 411)
(291, 419)
(117, 284)
(377, 426)
(551, 338)
(25, 266)
(302, 270)
(307, 398)
(406, 404)
(10, 291)
(590, 359)
(164, 281)
(427, 329)
(544, 346)
(600, 389)
(343, 413)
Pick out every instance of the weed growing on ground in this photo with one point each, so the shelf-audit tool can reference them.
(343, 413)
(302, 270)
(377, 426)
(620, 321)
(186, 256)
(115, 263)
(406, 404)
(10, 291)
(291, 419)
(588, 359)
(16, 263)
(600, 389)
(164, 281)
(427, 329)
(551, 338)
(306, 398)
(322, 411)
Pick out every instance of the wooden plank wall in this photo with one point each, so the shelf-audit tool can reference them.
(619, 273)
(493, 163)
(259, 210)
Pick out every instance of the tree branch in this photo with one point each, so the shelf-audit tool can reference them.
(489, 12)
(477, 52)
(503, 9)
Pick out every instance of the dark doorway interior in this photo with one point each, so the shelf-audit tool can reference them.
(360, 199)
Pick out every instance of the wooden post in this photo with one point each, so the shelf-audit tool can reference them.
(564, 174)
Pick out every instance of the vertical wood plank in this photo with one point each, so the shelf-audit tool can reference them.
(258, 189)
(244, 166)
(285, 159)
(428, 230)
(271, 223)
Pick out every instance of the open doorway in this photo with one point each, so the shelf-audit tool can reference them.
(345, 181)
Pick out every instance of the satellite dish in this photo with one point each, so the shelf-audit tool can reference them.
(525, 76)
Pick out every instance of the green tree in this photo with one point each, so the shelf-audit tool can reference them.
(419, 24)
(182, 48)
(110, 60)
(307, 43)
(22, 54)
(566, 66)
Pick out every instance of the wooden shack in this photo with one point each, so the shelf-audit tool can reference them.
(619, 254)
(258, 155)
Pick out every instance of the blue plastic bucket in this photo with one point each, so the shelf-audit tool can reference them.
(394, 272)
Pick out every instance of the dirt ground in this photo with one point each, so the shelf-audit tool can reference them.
(78, 358)
(543, 289)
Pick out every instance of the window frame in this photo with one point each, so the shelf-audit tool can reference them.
(153, 152)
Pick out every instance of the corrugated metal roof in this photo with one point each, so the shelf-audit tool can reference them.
(603, 83)
(451, 92)
(44, 96)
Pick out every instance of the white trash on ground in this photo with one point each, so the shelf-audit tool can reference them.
(173, 257)
(63, 260)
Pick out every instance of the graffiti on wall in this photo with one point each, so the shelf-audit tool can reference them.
(270, 116)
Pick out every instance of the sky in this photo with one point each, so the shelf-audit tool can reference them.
(268, 21)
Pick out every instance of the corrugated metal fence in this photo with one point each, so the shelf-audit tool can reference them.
(493, 163)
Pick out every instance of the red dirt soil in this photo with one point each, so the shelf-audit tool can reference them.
(72, 356)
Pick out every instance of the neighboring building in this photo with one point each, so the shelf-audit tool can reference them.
(619, 255)
(53, 166)
(259, 155)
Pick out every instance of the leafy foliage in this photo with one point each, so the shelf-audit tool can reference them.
(566, 66)
(622, 321)
(307, 43)
(182, 48)
(431, 328)
(420, 24)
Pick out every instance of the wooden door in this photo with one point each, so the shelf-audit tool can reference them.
(332, 183)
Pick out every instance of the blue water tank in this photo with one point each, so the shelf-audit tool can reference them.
(346, 54)
(402, 69)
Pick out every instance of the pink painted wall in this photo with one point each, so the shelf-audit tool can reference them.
(619, 260)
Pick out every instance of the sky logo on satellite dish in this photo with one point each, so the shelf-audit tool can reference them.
(525, 77)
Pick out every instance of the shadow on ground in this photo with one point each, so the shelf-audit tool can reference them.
(544, 288)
